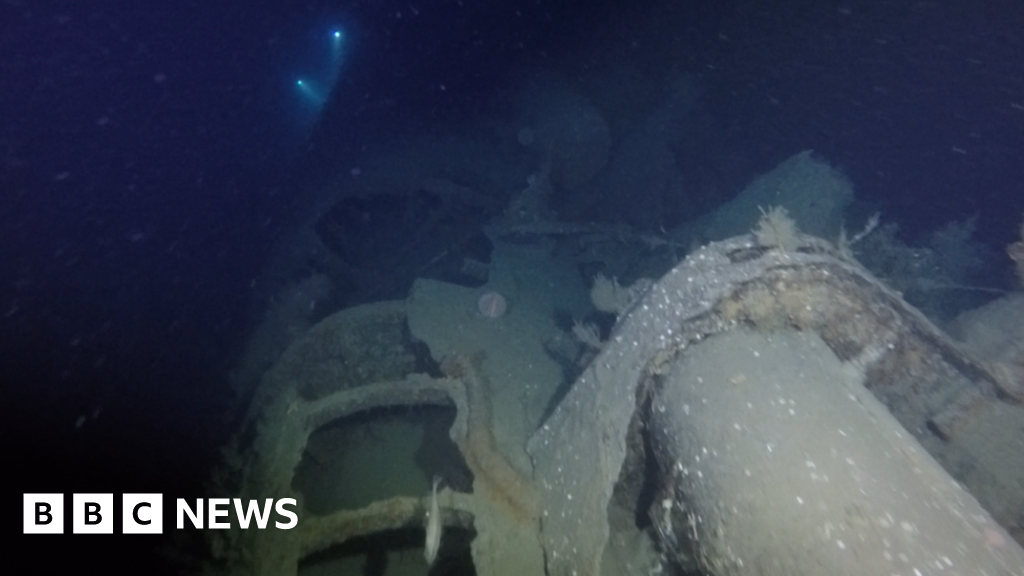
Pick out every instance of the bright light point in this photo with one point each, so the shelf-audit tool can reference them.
(311, 93)
(315, 89)
(336, 40)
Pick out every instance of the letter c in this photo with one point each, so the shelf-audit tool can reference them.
(135, 513)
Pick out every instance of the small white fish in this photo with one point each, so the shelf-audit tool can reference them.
(434, 527)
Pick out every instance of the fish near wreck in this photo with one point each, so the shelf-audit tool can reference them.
(434, 526)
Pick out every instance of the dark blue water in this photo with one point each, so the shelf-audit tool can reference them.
(152, 153)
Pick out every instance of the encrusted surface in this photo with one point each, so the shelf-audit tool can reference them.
(578, 453)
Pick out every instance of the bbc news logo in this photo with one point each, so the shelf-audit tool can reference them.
(143, 513)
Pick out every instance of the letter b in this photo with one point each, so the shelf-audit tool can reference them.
(43, 514)
(92, 514)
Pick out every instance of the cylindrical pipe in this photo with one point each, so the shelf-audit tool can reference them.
(774, 459)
